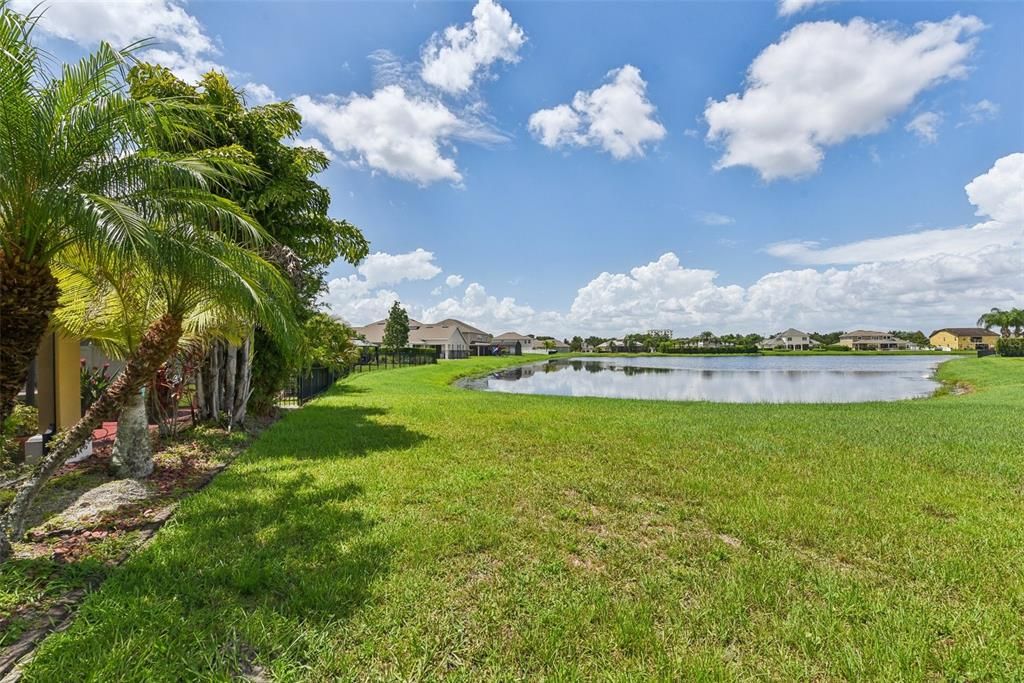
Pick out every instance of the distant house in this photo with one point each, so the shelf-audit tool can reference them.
(446, 339)
(963, 338)
(870, 340)
(515, 344)
(791, 340)
(611, 346)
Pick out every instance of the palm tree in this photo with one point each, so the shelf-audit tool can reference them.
(1016, 319)
(998, 318)
(112, 306)
(77, 168)
(197, 273)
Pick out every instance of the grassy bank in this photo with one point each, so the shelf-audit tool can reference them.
(402, 528)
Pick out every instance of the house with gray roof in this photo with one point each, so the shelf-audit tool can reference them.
(790, 340)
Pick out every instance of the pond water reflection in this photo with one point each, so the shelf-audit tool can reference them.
(725, 379)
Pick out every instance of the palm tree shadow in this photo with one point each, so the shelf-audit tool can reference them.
(273, 551)
(329, 431)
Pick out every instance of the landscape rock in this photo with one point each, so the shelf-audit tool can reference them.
(105, 498)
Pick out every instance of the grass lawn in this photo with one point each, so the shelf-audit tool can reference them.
(402, 528)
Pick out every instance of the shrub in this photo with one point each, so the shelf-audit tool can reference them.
(22, 422)
(834, 347)
(709, 349)
(1010, 346)
(94, 382)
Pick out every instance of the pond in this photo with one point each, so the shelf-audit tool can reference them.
(725, 379)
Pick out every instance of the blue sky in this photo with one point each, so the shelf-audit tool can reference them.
(725, 166)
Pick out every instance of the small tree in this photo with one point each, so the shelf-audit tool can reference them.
(576, 344)
(396, 332)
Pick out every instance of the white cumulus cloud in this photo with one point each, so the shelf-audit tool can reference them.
(451, 60)
(617, 117)
(259, 93)
(403, 135)
(481, 309)
(382, 268)
(453, 280)
(979, 112)
(999, 192)
(824, 82)
(788, 7)
(715, 218)
(926, 126)
(364, 296)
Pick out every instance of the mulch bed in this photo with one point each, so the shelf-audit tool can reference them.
(104, 541)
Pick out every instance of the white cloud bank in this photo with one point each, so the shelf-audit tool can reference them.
(453, 59)
(826, 82)
(617, 117)
(364, 296)
(917, 280)
(179, 40)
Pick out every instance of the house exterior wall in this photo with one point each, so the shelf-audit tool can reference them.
(872, 342)
(944, 339)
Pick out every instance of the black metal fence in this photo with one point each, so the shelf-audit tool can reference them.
(374, 358)
(316, 381)
(309, 385)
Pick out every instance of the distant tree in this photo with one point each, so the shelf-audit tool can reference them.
(576, 343)
(328, 343)
(595, 341)
(549, 344)
(912, 337)
(827, 338)
(396, 332)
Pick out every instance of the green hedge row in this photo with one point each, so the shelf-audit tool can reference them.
(667, 348)
(1010, 346)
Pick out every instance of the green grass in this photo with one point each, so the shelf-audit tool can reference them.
(401, 528)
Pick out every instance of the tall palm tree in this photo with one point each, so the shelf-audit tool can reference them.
(78, 167)
(998, 318)
(197, 273)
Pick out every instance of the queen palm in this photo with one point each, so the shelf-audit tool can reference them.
(112, 306)
(196, 273)
(998, 318)
(78, 167)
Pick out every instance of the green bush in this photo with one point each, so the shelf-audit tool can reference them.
(708, 349)
(23, 421)
(1010, 346)
(834, 347)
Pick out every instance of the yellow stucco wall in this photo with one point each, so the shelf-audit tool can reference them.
(58, 353)
(960, 343)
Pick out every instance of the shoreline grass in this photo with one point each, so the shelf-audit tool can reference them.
(403, 528)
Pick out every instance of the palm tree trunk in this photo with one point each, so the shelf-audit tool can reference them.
(157, 345)
(200, 393)
(28, 295)
(132, 454)
(244, 381)
(230, 372)
(215, 390)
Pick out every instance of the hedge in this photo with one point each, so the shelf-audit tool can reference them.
(708, 349)
(1010, 346)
